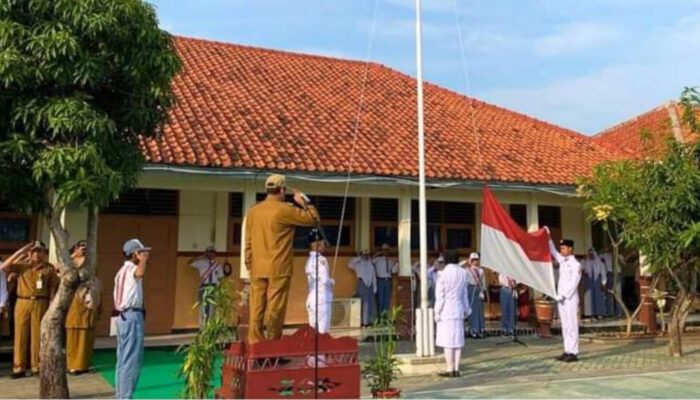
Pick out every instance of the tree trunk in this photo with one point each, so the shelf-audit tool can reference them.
(53, 383)
(681, 308)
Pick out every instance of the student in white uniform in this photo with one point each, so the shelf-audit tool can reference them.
(451, 308)
(385, 268)
(611, 306)
(507, 301)
(567, 296)
(210, 272)
(366, 286)
(594, 277)
(476, 286)
(129, 304)
(319, 280)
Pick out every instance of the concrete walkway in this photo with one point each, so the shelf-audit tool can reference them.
(629, 370)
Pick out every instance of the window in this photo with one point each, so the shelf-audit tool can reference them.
(519, 214)
(16, 228)
(450, 226)
(384, 214)
(145, 202)
(235, 224)
(550, 216)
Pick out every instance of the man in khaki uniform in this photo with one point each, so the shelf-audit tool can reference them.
(82, 317)
(37, 282)
(269, 232)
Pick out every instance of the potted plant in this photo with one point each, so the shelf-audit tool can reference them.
(382, 370)
(544, 309)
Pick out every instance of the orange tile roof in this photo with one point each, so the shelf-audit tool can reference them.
(646, 134)
(241, 107)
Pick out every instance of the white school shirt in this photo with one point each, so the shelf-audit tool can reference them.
(607, 259)
(364, 269)
(503, 280)
(325, 283)
(128, 290)
(385, 267)
(475, 276)
(569, 273)
(451, 297)
(210, 271)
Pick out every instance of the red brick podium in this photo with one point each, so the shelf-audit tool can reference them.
(257, 372)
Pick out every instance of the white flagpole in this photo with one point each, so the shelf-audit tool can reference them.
(423, 346)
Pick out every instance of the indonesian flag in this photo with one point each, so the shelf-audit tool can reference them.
(508, 249)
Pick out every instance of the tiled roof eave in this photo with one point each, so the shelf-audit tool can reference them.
(324, 177)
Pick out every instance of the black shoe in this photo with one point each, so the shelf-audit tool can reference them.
(19, 375)
(446, 374)
(456, 374)
(562, 357)
(571, 358)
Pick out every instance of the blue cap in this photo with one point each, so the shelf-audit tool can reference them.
(134, 245)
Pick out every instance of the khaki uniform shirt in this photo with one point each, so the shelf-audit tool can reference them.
(40, 281)
(270, 236)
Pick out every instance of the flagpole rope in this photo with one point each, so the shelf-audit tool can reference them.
(467, 82)
(358, 118)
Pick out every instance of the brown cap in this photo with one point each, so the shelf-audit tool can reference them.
(275, 181)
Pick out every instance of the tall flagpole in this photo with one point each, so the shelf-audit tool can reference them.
(422, 337)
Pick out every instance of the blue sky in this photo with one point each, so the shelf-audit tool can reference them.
(584, 65)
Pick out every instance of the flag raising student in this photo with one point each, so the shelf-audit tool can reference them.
(319, 279)
(567, 296)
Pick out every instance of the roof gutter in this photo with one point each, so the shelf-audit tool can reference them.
(252, 174)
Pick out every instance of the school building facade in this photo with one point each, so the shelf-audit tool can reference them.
(244, 112)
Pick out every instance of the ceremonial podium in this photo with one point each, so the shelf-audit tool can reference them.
(284, 368)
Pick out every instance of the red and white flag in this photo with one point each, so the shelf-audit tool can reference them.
(506, 248)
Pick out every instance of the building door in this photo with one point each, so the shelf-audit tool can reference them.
(151, 216)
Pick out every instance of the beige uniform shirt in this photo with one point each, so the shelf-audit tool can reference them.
(270, 236)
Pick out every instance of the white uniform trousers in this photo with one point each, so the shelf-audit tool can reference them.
(568, 310)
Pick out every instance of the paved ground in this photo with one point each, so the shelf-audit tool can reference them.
(604, 371)
(629, 370)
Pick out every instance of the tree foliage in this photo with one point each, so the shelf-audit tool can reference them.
(654, 204)
(198, 368)
(82, 84)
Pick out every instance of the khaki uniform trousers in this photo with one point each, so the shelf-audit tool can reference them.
(79, 347)
(28, 314)
(268, 306)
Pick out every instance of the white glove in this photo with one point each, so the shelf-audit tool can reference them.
(546, 228)
(559, 298)
(481, 295)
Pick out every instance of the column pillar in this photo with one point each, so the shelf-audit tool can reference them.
(244, 281)
(404, 293)
(405, 233)
(364, 224)
(221, 217)
(533, 216)
(647, 314)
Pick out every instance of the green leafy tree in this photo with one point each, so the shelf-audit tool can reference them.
(219, 329)
(654, 205)
(81, 83)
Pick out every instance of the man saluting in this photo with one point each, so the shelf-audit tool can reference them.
(269, 237)
(567, 296)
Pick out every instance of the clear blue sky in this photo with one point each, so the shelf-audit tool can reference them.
(585, 65)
